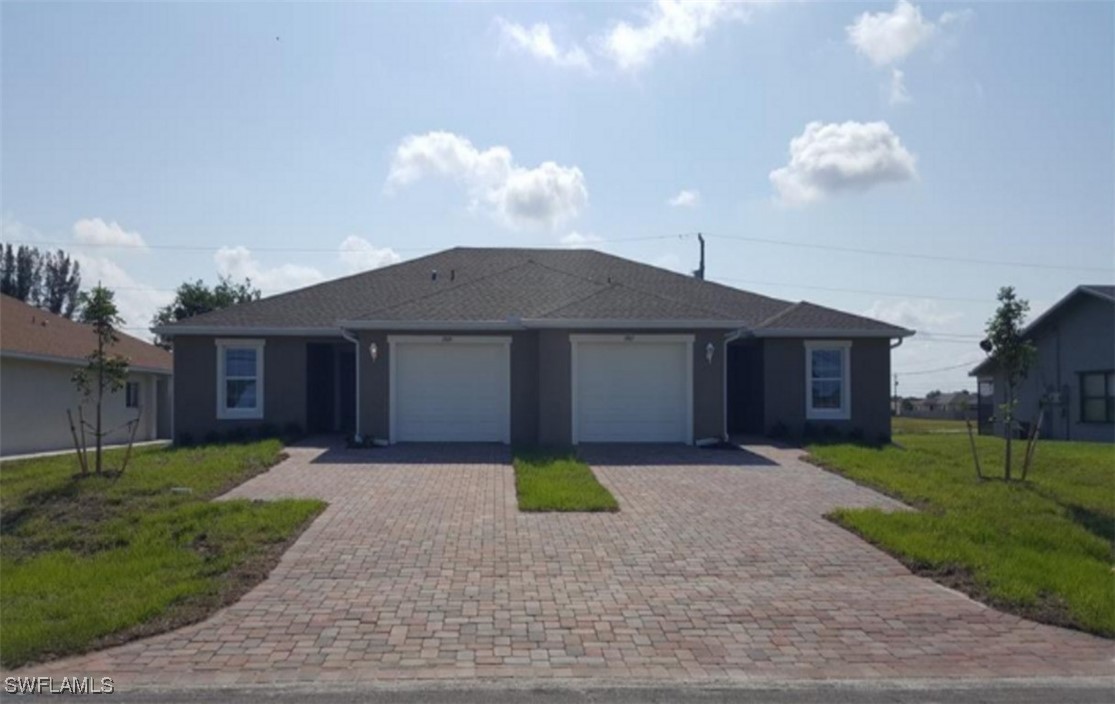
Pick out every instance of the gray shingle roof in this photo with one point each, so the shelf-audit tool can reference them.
(495, 285)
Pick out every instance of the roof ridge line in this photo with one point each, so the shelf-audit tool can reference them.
(459, 286)
(627, 286)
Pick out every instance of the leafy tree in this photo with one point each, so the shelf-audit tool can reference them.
(49, 280)
(103, 372)
(195, 298)
(61, 283)
(1012, 355)
(21, 273)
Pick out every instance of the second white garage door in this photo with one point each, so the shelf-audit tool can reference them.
(632, 388)
(450, 390)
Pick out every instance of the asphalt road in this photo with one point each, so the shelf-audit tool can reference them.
(985, 692)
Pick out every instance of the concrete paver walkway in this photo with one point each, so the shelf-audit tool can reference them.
(719, 565)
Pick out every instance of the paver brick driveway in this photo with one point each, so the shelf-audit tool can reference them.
(719, 565)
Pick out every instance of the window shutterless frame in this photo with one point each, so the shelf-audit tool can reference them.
(844, 349)
(224, 412)
(1097, 393)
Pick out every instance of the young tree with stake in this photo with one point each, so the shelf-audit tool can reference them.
(1012, 355)
(103, 372)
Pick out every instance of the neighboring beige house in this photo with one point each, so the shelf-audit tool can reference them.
(39, 352)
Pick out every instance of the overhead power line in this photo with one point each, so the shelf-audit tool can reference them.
(907, 255)
(940, 369)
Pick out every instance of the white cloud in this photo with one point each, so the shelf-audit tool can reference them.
(666, 23)
(580, 240)
(136, 301)
(888, 37)
(97, 231)
(832, 158)
(548, 194)
(358, 254)
(912, 313)
(898, 93)
(686, 199)
(538, 41)
(240, 263)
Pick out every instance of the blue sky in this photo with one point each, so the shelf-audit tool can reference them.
(172, 142)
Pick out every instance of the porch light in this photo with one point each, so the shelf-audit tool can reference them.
(710, 350)
(373, 350)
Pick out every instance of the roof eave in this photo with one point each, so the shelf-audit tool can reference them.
(831, 332)
(170, 331)
(77, 361)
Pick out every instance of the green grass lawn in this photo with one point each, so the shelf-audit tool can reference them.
(89, 562)
(559, 482)
(1043, 549)
(904, 425)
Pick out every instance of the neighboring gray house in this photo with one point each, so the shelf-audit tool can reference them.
(1073, 377)
(530, 346)
(39, 352)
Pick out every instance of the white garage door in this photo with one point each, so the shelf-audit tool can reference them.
(632, 389)
(450, 390)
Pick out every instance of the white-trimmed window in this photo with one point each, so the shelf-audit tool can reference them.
(828, 380)
(239, 378)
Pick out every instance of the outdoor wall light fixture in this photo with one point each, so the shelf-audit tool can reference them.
(373, 350)
(710, 350)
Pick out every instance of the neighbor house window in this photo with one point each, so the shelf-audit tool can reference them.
(828, 392)
(1097, 397)
(131, 394)
(239, 378)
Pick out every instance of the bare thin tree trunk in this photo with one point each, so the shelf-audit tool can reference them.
(972, 441)
(1009, 422)
(1032, 446)
(131, 442)
(77, 445)
(100, 398)
(84, 444)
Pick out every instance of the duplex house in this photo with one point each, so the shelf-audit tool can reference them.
(39, 352)
(531, 346)
(1073, 377)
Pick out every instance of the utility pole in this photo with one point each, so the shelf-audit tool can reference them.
(700, 272)
(897, 401)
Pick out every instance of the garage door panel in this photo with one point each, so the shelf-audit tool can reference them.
(451, 392)
(632, 391)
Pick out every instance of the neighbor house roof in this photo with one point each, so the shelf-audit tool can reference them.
(1104, 292)
(502, 287)
(30, 333)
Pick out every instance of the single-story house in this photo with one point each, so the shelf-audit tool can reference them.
(530, 346)
(40, 351)
(1073, 377)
